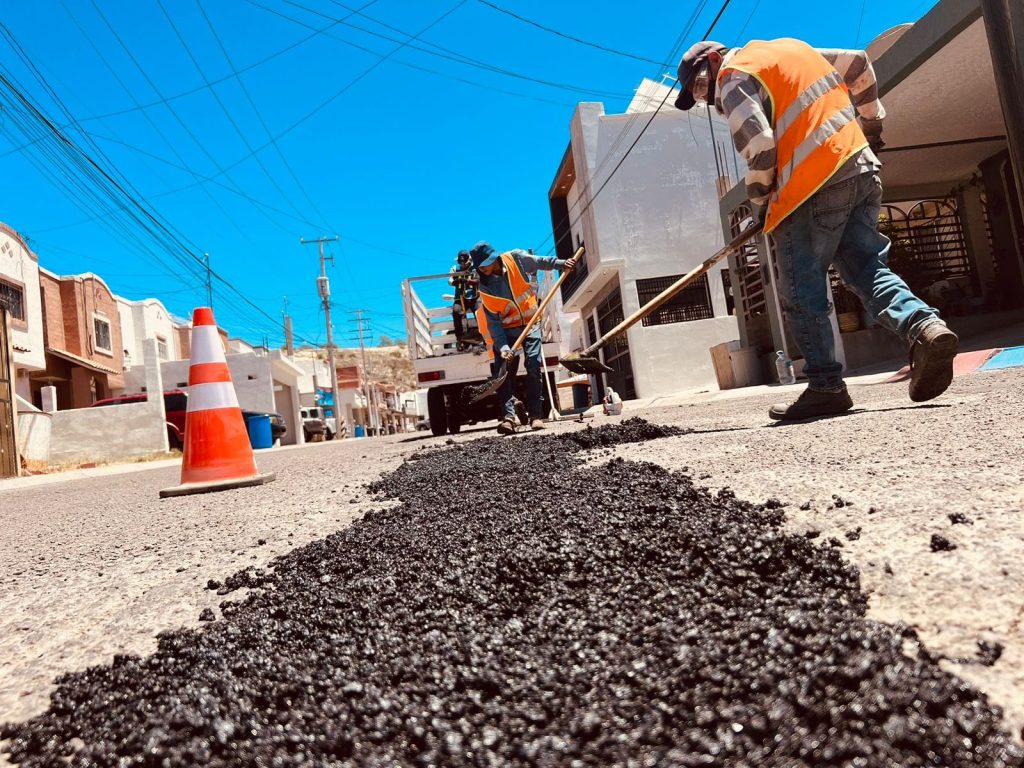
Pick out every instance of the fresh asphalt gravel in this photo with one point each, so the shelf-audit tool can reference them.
(528, 602)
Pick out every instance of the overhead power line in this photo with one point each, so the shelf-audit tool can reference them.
(568, 230)
(259, 114)
(89, 184)
(434, 49)
(580, 41)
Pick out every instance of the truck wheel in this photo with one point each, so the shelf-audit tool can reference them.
(453, 396)
(329, 435)
(437, 411)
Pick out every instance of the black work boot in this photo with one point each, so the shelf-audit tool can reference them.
(812, 404)
(931, 362)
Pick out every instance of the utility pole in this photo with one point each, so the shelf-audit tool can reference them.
(324, 289)
(371, 406)
(289, 336)
(209, 281)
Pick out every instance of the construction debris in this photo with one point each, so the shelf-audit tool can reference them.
(602, 613)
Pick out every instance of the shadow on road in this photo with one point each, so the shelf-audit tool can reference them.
(859, 411)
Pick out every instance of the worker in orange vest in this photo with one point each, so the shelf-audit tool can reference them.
(509, 301)
(809, 124)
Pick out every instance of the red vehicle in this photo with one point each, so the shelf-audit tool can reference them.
(176, 406)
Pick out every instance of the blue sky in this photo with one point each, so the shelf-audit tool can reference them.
(409, 134)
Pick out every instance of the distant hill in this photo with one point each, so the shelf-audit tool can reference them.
(387, 364)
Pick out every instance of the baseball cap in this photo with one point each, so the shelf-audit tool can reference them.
(688, 67)
(482, 254)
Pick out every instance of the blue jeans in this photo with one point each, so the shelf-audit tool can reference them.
(532, 349)
(839, 225)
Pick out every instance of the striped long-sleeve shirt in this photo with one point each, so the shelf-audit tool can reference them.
(746, 104)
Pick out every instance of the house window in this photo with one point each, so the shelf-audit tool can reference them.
(12, 298)
(691, 303)
(101, 334)
(161, 347)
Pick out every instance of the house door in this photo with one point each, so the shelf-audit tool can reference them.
(616, 354)
(8, 458)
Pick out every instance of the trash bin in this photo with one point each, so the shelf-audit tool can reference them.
(260, 435)
(360, 430)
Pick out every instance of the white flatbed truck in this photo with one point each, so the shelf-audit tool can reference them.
(444, 371)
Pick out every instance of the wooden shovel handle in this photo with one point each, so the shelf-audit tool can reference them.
(734, 245)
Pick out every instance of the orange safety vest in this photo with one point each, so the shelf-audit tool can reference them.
(481, 324)
(521, 308)
(814, 121)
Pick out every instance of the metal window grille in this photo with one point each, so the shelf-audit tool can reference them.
(691, 303)
(12, 297)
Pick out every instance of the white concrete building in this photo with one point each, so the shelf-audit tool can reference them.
(316, 374)
(263, 382)
(655, 219)
(19, 289)
(146, 319)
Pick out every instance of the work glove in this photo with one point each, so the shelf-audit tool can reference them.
(876, 143)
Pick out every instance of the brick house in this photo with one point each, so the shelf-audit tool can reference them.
(84, 345)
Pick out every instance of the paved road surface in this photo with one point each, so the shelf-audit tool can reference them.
(96, 566)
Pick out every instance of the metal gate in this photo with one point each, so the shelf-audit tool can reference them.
(616, 353)
(8, 457)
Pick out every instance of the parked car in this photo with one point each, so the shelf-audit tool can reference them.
(176, 407)
(313, 427)
(316, 413)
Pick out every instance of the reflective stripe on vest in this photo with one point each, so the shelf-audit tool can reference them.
(481, 324)
(521, 308)
(813, 119)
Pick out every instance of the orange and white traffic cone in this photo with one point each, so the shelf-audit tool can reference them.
(217, 454)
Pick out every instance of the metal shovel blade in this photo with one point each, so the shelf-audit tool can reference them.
(475, 394)
(579, 364)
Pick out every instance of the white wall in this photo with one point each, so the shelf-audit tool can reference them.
(18, 264)
(658, 216)
(250, 374)
(110, 433)
(315, 373)
(114, 432)
(34, 430)
(145, 319)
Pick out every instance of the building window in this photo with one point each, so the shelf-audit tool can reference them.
(101, 334)
(12, 298)
(161, 347)
(691, 303)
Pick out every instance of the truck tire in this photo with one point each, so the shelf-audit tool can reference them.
(437, 411)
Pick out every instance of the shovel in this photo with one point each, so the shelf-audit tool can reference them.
(489, 387)
(587, 361)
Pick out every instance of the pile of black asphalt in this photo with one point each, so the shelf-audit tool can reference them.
(521, 605)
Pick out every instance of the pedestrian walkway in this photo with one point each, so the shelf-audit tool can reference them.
(977, 360)
(1007, 358)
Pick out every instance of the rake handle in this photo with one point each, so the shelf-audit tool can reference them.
(656, 303)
